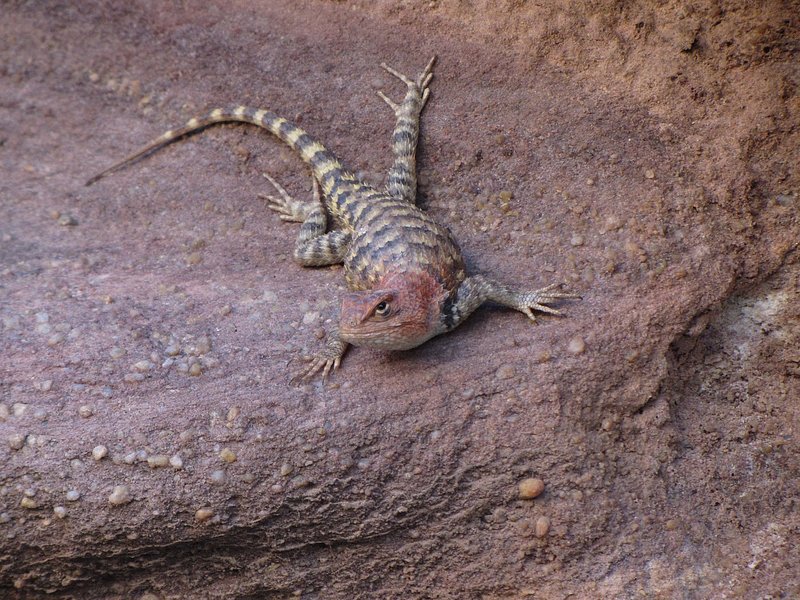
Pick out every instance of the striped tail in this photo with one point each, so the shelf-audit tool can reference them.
(323, 163)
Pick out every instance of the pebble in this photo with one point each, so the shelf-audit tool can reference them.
(530, 488)
(56, 339)
(576, 345)
(133, 377)
(203, 514)
(99, 452)
(73, 496)
(28, 503)
(142, 365)
(649, 174)
(286, 469)
(157, 460)
(218, 476)
(195, 370)
(18, 408)
(577, 240)
(85, 411)
(42, 317)
(176, 462)
(227, 455)
(67, 221)
(505, 372)
(120, 495)
(225, 310)
(5, 518)
(116, 352)
(44, 386)
(542, 527)
(60, 511)
(4, 412)
(16, 441)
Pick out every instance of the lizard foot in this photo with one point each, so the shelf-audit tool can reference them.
(418, 88)
(527, 302)
(327, 361)
(288, 208)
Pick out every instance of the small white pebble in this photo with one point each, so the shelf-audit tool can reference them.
(129, 458)
(120, 495)
(18, 408)
(116, 352)
(176, 462)
(42, 317)
(577, 240)
(46, 385)
(142, 366)
(286, 469)
(133, 377)
(56, 339)
(649, 174)
(218, 476)
(73, 496)
(99, 452)
(310, 317)
(576, 345)
(85, 411)
(60, 511)
(157, 460)
(30, 492)
(4, 412)
(16, 441)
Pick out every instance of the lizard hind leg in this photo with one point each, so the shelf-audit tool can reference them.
(314, 247)
(402, 179)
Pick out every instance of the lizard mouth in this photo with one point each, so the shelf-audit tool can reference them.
(386, 338)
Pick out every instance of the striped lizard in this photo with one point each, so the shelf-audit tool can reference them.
(405, 272)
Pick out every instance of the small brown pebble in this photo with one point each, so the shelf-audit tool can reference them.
(542, 527)
(195, 258)
(505, 196)
(203, 514)
(671, 524)
(227, 455)
(649, 174)
(195, 370)
(530, 488)
(28, 503)
(505, 372)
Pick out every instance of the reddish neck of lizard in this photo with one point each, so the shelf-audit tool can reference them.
(402, 311)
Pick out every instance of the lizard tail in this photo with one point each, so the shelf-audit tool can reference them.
(322, 162)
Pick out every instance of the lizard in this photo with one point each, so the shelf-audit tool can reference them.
(405, 273)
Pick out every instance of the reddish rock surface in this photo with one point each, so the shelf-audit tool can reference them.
(651, 151)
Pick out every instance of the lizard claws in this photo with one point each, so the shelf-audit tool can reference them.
(538, 300)
(418, 87)
(290, 209)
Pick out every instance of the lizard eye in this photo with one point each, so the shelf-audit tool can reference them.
(382, 309)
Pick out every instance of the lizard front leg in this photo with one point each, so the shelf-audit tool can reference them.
(328, 360)
(402, 179)
(478, 289)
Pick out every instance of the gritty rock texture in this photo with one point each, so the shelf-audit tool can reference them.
(645, 153)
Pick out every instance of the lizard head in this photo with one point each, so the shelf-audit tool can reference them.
(401, 312)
